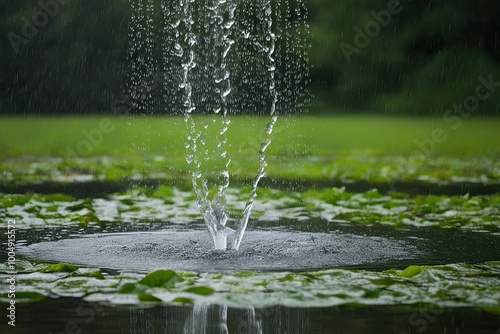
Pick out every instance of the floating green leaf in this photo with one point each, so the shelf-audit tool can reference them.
(131, 288)
(411, 271)
(60, 267)
(244, 273)
(147, 297)
(384, 281)
(56, 198)
(161, 279)
(52, 208)
(201, 290)
(183, 300)
(372, 194)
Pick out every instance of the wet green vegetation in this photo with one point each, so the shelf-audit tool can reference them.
(311, 148)
(166, 203)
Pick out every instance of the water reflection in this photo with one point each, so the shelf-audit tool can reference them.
(68, 315)
(207, 319)
(219, 319)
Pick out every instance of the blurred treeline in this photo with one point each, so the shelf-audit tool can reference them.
(421, 60)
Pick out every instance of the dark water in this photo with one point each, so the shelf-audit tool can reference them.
(67, 315)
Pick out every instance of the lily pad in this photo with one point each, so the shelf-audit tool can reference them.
(161, 279)
(61, 267)
(201, 290)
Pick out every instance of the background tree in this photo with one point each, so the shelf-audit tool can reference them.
(421, 61)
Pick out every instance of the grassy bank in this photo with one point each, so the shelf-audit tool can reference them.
(377, 149)
(107, 135)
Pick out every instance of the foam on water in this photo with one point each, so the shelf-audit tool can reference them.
(191, 250)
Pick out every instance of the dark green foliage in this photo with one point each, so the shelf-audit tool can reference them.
(426, 58)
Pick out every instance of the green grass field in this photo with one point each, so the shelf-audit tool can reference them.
(344, 147)
(306, 134)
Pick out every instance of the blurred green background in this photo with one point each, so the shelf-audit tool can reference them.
(423, 58)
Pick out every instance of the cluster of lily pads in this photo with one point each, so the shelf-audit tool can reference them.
(177, 206)
(454, 285)
(349, 166)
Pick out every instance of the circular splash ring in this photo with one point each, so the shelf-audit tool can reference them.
(192, 250)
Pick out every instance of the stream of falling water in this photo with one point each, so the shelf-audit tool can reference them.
(271, 67)
(220, 58)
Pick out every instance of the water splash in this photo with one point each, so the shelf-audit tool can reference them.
(271, 67)
(141, 55)
(221, 58)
